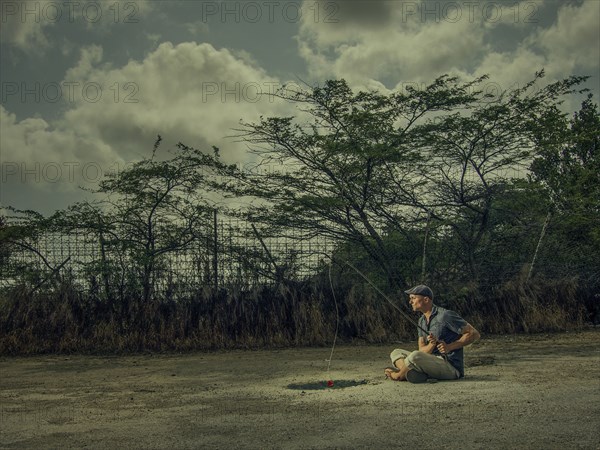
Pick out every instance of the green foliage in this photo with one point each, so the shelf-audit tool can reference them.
(149, 210)
(370, 169)
(423, 186)
(569, 170)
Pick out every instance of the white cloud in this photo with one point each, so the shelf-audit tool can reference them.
(197, 28)
(43, 157)
(154, 38)
(89, 57)
(189, 92)
(196, 94)
(399, 47)
(25, 22)
(407, 43)
(510, 69)
(574, 40)
(22, 24)
(519, 15)
(570, 46)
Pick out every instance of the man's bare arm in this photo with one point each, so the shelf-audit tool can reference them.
(427, 347)
(468, 336)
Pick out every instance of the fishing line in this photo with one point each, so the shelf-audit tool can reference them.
(337, 319)
(405, 315)
(379, 291)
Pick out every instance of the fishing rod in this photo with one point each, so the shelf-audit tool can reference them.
(404, 314)
(330, 383)
(380, 292)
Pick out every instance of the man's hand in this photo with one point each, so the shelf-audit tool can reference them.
(442, 347)
(432, 340)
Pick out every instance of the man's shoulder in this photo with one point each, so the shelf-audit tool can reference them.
(443, 313)
(441, 310)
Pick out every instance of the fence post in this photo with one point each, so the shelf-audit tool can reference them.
(424, 260)
(539, 243)
(215, 250)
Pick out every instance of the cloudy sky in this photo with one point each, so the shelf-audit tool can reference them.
(87, 86)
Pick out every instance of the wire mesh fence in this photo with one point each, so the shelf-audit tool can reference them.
(232, 253)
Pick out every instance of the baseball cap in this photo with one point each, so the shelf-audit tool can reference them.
(421, 289)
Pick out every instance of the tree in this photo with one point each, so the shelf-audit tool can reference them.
(333, 175)
(20, 234)
(149, 210)
(570, 167)
(358, 166)
(471, 158)
(569, 170)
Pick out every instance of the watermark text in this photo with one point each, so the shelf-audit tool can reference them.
(68, 91)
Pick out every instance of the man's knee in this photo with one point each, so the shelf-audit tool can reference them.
(398, 354)
(415, 358)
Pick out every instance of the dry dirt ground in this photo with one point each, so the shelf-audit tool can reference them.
(529, 392)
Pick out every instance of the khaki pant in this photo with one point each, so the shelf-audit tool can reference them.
(434, 366)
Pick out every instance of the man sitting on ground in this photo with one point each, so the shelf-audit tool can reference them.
(440, 354)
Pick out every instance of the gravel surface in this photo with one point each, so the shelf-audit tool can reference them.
(529, 392)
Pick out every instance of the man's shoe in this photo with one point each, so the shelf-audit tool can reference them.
(416, 377)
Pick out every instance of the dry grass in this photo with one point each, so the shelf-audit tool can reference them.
(540, 306)
(63, 320)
